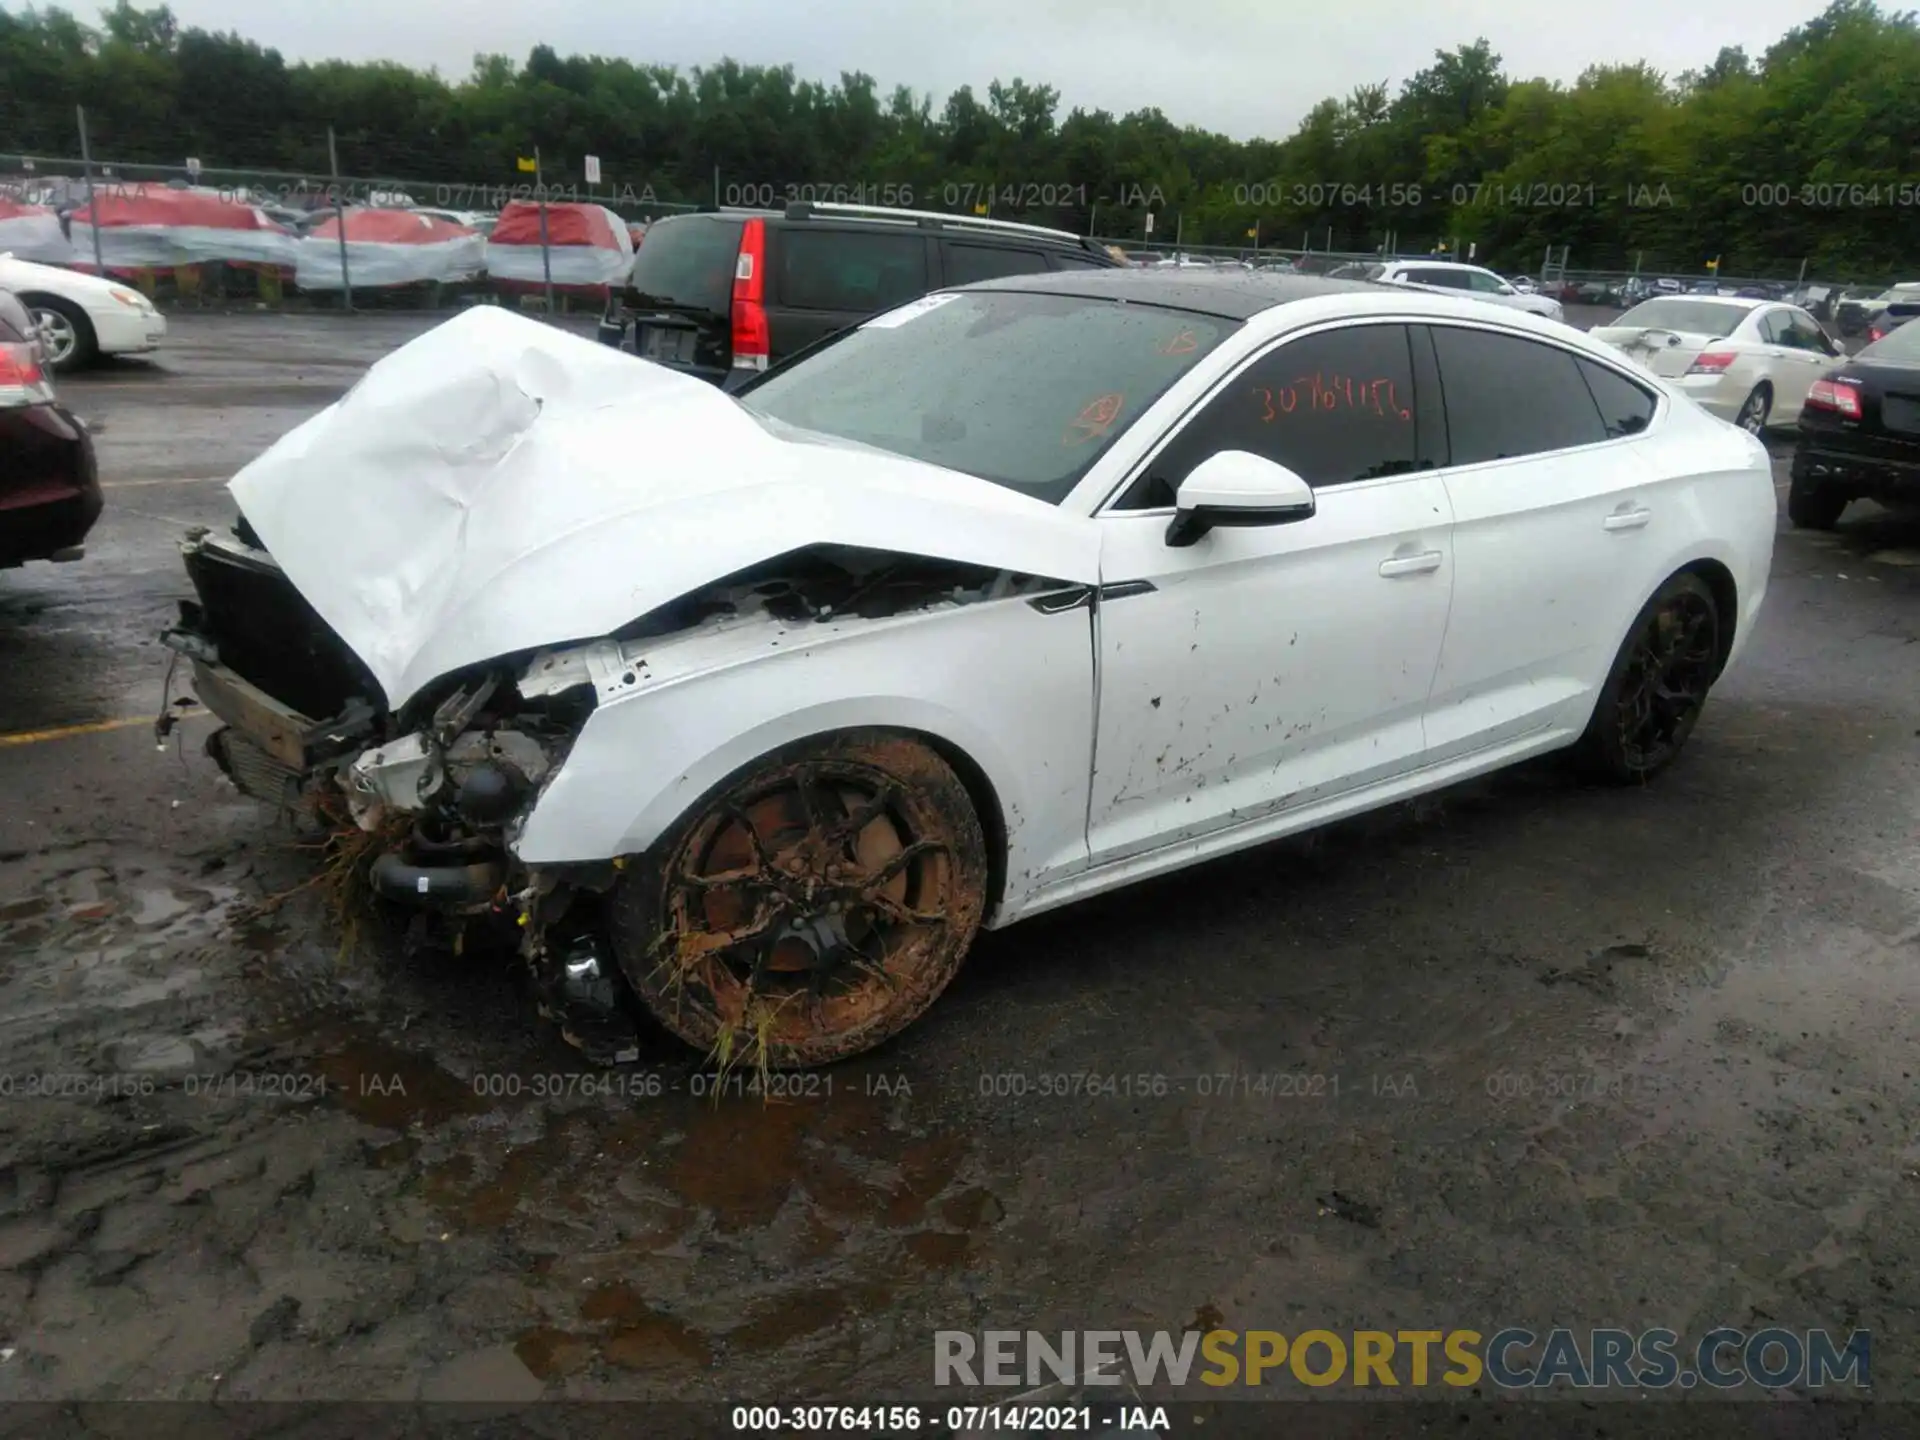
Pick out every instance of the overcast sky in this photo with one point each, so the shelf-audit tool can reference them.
(1230, 65)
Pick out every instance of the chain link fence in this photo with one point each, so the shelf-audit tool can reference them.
(225, 237)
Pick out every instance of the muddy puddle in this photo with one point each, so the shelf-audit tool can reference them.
(655, 1233)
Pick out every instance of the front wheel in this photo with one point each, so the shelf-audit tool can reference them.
(1657, 687)
(67, 338)
(810, 908)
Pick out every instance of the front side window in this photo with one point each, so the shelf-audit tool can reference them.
(1507, 397)
(1486, 284)
(1025, 390)
(854, 272)
(1804, 334)
(1333, 407)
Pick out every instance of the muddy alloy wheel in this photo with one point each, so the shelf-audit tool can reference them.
(1658, 686)
(812, 907)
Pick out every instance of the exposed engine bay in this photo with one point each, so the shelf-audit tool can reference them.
(442, 786)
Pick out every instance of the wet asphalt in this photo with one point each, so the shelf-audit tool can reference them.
(1522, 1054)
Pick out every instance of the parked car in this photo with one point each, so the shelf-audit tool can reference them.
(1007, 597)
(49, 484)
(1749, 362)
(1481, 284)
(82, 317)
(1873, 307)
(1523, 283)
(1860, 432)
(1891, 319)
(725, 294)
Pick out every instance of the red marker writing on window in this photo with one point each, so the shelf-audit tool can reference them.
(1095, 420)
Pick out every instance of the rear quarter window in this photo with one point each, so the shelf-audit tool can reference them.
(856, 272)
(1625, 408)
(968, 263)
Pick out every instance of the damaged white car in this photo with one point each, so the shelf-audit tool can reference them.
(767, 704)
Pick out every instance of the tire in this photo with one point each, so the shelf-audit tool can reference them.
(1672, 645)
(1752, 414)
(1811, 506)
(825, 942)
(78, 346)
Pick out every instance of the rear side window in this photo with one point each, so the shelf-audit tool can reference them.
(1508, 397)
(856, 272)
(968, 263)
(688, 262)
(1625, 409)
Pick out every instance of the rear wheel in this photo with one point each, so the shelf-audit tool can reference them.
(66, 334)
(1658, 686)
(1752, 416)
(1810, 506)
(812, 907)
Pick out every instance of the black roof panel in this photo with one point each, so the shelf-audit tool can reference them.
(1231, 294)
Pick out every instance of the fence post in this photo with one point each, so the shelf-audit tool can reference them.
(546, 257)
(340, 219)
(86, 161)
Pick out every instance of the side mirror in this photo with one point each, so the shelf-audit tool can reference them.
(1237, 488)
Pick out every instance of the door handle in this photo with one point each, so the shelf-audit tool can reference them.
(1411, 564)
(1632, 519)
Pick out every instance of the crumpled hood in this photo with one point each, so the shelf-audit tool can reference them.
(500, 485)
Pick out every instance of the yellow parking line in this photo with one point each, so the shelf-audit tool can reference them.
(92, 727)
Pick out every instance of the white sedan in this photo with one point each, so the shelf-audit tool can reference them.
(1009, 597)
(82, 317)
(1748, 362)
(1476, 281)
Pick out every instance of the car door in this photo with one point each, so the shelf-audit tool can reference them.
(825, 279)
(1264, 668)
(1806, 354)
(1555, 531)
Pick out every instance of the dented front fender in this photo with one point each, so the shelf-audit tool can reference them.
(1005, 685)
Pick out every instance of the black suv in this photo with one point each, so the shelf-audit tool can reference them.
(723, 294)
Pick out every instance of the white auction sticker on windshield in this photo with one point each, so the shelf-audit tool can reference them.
(895, 318)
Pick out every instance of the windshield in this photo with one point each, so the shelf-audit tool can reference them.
(1693, 317)
(688, 262)
(1022, 389)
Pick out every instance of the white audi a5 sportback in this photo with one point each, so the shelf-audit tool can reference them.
(758, 708)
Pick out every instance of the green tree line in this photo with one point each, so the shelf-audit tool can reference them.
(1806, 153)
